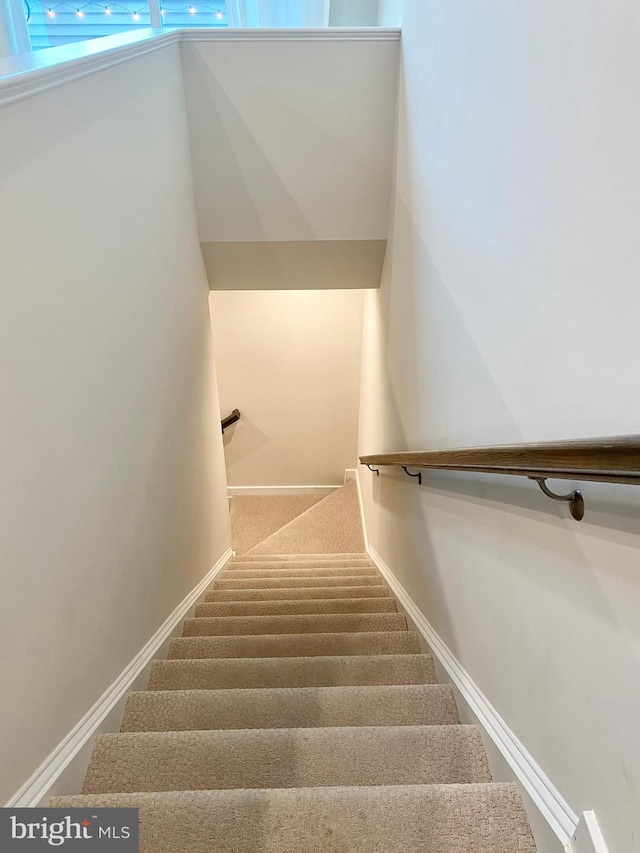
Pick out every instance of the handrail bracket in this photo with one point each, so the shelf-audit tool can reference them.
(376, 471)
(409, 474)
(575, 499)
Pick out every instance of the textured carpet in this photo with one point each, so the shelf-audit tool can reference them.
(296, 645)
(290, 708)
(303, 605)
(298, 712)
(321, 671)
(310, 623)
(286, 758)
(486, 818)
(297, 561)
(255, 517)
(292, 571)
(288, 593)
(331, 526)
(355, 558)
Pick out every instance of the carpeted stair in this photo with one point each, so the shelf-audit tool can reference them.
(330, 526)
(298, 713)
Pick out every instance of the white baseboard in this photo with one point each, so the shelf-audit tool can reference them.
(555, 809)
(36, 789)
(233, 491)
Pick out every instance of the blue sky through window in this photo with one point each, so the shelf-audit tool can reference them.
(55, 22)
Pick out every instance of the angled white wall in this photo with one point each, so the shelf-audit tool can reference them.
(292, 138)
(113, 491)
(509, 312)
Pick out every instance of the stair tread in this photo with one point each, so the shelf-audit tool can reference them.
(305, 707)
(258, 571)
(299, 592)
(296, 645)
(306, 623)
(360, 556)
(303, 562)
(283, 758)
(466, 818)
(320, 671)
(306, 581)
(282, 607)
(242, 563)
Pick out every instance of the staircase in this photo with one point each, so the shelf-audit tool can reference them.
(298, 713)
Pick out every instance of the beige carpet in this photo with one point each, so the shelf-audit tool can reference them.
(298, 713)
(331, 526)
(255, 517)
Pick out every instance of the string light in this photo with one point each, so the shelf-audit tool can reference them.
(113, 8)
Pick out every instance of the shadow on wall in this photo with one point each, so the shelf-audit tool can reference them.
(236, 168)
(251, 437)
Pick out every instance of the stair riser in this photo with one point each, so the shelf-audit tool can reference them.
(285, 758)
(291, 672)
(295, 645)
(297, 593)
(316, 623)
(200, 710)
(283, 583)
(284, 608)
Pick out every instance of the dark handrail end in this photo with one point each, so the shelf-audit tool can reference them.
(230, 419)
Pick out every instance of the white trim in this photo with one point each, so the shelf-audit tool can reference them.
(155, 15)
(558, 813)
(292, 34)
(589, 837)
(327, 12)
(281, 490)
(31, 73)
(36, 787)
(597, 838)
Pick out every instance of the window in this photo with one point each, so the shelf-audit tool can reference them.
(55, 22)
(208, 13)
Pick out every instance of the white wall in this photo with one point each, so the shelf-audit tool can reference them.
(290, 361)
(112, 495)
(509, 312)
(291, 139)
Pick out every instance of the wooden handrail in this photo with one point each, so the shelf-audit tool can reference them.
(604, 460)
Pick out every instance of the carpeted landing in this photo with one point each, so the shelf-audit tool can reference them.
(330, 525)
(298, 713)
